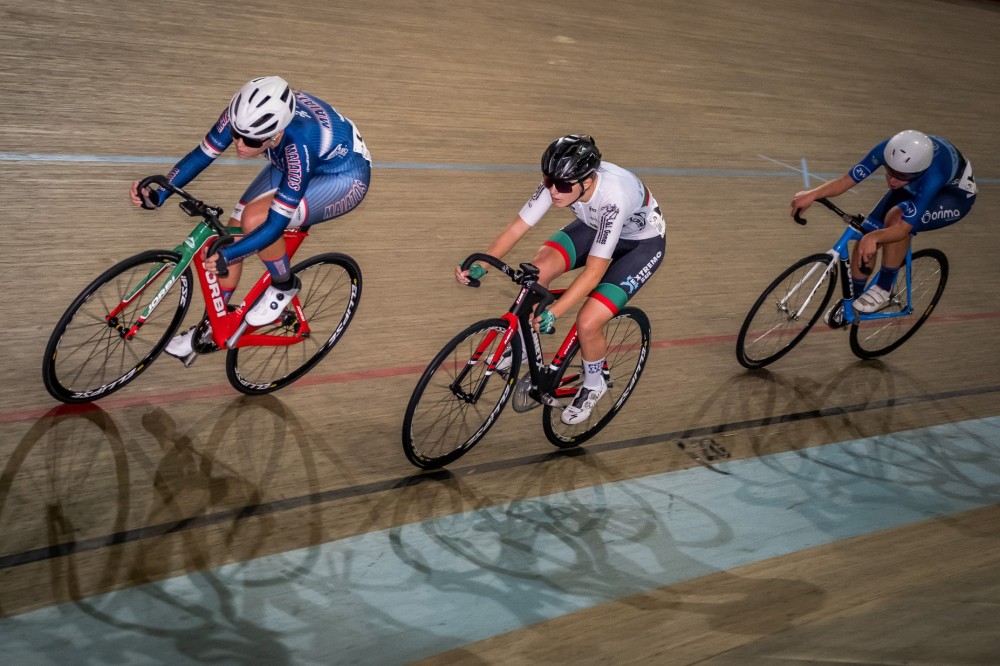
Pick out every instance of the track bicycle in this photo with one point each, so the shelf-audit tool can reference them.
(122, 321)
(797, 298)
(462, 392)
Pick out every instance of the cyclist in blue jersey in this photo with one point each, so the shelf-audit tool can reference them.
(930, 186)
(319, 168)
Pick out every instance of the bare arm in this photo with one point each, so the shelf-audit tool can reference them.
(831, 188)
(500, 246)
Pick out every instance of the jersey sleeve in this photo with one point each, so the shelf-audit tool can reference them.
(867, 166)
(537, 206)
(300, 163)
(192, 164)
(609, 230)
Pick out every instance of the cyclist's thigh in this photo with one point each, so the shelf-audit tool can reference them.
(876, 218)
(256, 199)
(949, 206)
(332, 195)
(633, 263)
(572, 242)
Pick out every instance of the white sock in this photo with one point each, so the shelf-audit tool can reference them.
(593, 373)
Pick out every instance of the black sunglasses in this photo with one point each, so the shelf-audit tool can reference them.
(562, 186)
(905, 177)
(249, 142)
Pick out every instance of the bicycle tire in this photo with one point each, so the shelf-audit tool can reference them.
(628, 335)
(436, 426)
(86, 357)
(755, 350)
(330, 294)
(871, 338)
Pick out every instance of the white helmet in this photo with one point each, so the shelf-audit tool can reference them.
(262, 108)
(909, 151)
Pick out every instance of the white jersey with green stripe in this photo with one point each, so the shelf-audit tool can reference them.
(621, 207)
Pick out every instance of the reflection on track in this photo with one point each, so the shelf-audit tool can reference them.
(220, 483)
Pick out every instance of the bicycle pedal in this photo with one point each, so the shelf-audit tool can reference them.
(189, 360)
(522, 401)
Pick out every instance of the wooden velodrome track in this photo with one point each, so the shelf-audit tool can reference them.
(718, 102)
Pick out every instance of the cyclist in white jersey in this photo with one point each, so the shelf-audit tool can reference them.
(618, 238)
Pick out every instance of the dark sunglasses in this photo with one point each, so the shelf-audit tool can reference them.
(562, 186)
(905, 177)
(249, 142)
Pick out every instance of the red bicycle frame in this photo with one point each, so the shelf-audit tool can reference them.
(228, 328)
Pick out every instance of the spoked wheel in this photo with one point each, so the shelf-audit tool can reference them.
(87, 356)
(455, 402)
(880, 335)
(786, 311)
(331, 289)
(628, 335)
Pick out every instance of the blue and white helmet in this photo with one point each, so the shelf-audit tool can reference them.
(262, 108)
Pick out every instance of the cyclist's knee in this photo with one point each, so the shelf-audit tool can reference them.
(593, 317)
(550, 264)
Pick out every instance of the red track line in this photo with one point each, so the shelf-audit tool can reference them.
(221, 390)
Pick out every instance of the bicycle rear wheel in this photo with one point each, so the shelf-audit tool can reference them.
(455, 403)
(87, 356)
(628, 335)
(331, 289)
(785, 312)
(879, 336)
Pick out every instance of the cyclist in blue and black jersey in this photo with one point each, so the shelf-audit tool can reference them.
(319, 168)
(930, 186)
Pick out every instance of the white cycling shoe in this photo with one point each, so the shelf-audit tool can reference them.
(873, 300)
(583, 404)
(182, 346)
(271, 304)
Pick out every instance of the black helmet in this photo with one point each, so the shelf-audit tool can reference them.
(571, 158)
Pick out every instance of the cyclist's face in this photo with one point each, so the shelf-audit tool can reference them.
(897, 180)
(246, 151)
(565, 198)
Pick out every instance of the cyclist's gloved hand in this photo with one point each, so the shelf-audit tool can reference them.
(147, 197)
(221, 265)
(476, 271)
(547, 322)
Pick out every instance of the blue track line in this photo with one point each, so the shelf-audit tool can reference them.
(791, 172)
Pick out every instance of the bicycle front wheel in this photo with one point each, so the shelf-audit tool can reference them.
(786, 311)
(455, 403)
(331, 289)
(88, 356)
(628, 335)
(880, 335)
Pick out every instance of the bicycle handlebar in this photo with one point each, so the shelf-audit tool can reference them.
(192, 206)
(517, 276)
(854, 220)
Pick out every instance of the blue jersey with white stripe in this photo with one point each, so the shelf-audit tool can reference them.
(318, 140)
(946, 166)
